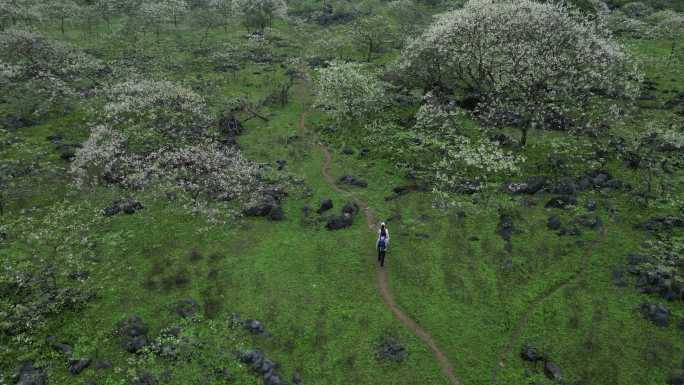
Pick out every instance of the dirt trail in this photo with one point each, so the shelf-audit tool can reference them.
(541, 298)
(381, 273)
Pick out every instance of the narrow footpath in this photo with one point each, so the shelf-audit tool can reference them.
(381, 273)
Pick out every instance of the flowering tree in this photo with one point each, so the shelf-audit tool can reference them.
(38, 72)
(154, 133)
(151, 113)
(347, 93)
(526, 62)
(370, 33)
(259, 14)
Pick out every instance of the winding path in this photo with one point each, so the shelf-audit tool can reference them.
(541, 298)
(381, 274)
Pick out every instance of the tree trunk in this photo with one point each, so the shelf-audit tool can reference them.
(523, 136)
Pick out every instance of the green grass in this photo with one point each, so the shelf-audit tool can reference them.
(314, 289)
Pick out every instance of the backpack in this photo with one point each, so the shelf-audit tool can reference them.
(382, 245)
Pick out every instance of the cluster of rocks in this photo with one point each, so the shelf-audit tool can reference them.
(403, 190)
(67, 151)
(268, 205)
(391, 350)
(31, 375)
(253, 326)
(352, 181)
(565, 188)
(76, 365)
(551, 370)
(658, 314)
(264, 367)
(186, 308)
(555, 223)
(660, 274)
(126, 206)
(345, 219)
(662, 223)
(133, 333)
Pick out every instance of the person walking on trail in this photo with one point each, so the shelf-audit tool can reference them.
(382, 243)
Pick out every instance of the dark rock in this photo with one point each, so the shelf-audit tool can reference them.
(467, 187)
(223, 374)
(173, 331)
(145, 378)
(572, 231)
(77, 366)
(528, 186)
(254, 326)
(505, 227)
(554, 222)
(350, 208)
(658, 314)
(423, 235)
(531, 354)
(665, 223)
(261, 208)
(30, 375)
(618, 278)
(503, 139)
(424, 218)
(67, 155)
(392, 350)
(676, 378)
(681, 325)
(584, 184)
(565, 186)
(352, 181)
(552, 371)
(364, 152)
(186, 308)
(347, 151)
(127, 206)
(591, 205)
(561, 202)
(281, 164)
(276, 214)
(326, 204)
(339, 222)
(134, 334)
(590, 222)
(58, 346)
(297, 378)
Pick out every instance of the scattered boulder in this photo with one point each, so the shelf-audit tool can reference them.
(133, 332)
(552, 371)
(63, 348)
(280, 163)
(254, 326)
(664, 223)
(126, 206)
(531, 354)
(572, 231)
(566, 186)
(352, 181)
(554, 222)
(103, 364)
(364, 152)
(261, 208)
(297, 378)
(326, 204)
(30, 375)
(347, 151)
(676, 379)
(77, 366)
(591, 222)
(561, 202)
(658, 314)
(339, 222)
(528, 186)
(403, 190)
(261, 365)
(391, 350)
(145, 378)
(505, 227)
(591, 205)
(276, 214)
(186, 308)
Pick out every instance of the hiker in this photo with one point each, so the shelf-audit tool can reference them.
(383, 232)
(382, 249)
(382, 243)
